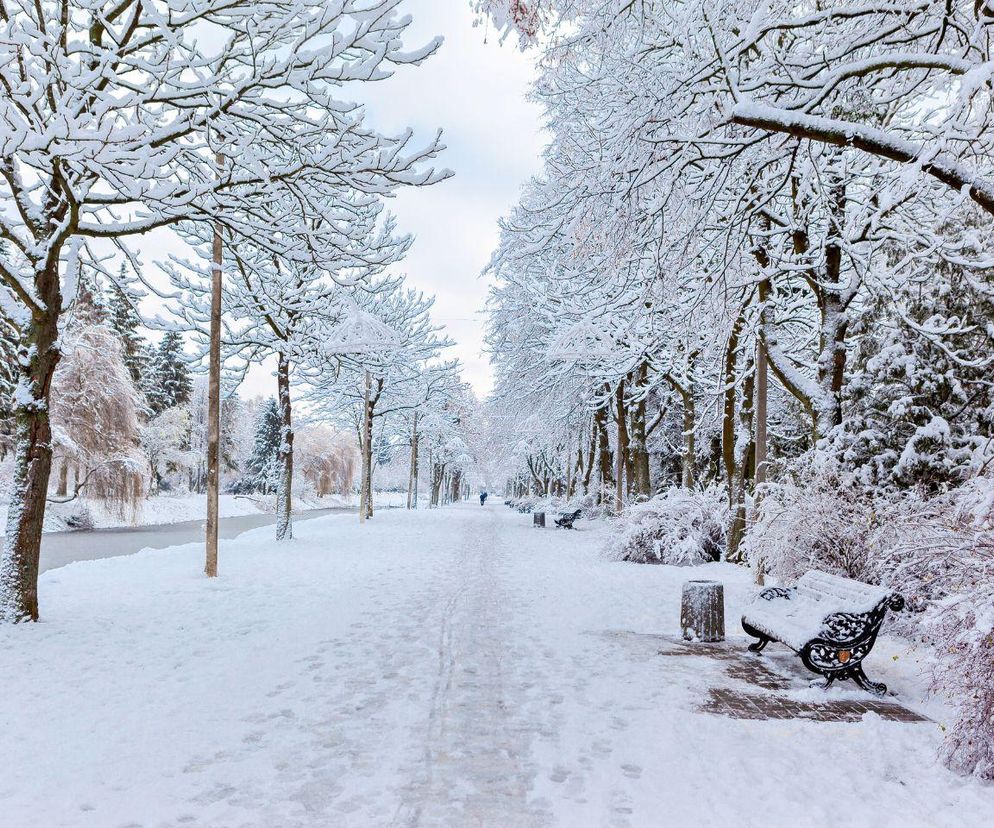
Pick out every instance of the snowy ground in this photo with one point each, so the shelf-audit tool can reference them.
(446, 668)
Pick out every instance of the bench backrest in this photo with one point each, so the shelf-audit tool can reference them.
(840, 593)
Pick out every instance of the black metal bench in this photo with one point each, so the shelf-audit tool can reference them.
(567, 519)
(830, 622)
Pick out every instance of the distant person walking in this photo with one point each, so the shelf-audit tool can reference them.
(483, 498)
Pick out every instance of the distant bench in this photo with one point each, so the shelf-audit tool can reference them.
(830, 622)
(567, 519)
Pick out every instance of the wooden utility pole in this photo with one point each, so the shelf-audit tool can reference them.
(214, 403)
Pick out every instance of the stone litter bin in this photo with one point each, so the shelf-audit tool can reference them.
(702, 611)
(538, 520)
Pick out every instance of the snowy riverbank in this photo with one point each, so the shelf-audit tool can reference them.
(167, 509)
(453, 667)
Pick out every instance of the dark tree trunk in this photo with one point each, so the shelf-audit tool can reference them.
(745, 449)
(641, 477)
(728, 409)
(63, 487)
(605, 459)
(284, 455)
(38, 357)
(622, 448)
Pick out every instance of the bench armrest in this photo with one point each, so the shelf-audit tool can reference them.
(772, 593)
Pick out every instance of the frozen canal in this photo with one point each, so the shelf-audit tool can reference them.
(61, 548)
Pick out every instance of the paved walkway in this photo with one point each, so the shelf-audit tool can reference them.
(448, 668)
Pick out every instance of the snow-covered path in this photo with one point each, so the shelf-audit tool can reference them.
(442, 668)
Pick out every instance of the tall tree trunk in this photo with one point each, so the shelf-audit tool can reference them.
(63, 487)
(642, 478)
(37, 359)
(367, 438)
(412, 486)
(689, 439)
(622, 448)
(834, 321)
(284, 455)
(761, 392)
(604, 457)
(728, 407)
(744, 451)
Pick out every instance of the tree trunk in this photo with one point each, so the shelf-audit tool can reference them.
(63, 488)
(761, 391)
(642, 479)
(37, 359)
(622, 449)
(728, 408)
(744, 450)
(412, 486)
(284, 456)
(689, 431)
(834, 321)
(605, 460)
(591, 457)
(367, 436)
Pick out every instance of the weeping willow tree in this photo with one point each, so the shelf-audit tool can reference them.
(96, 415)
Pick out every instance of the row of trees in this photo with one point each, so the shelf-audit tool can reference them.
(226, 121)
(722, 286)
(758, 257)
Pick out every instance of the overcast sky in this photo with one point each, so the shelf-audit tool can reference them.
(474, 90)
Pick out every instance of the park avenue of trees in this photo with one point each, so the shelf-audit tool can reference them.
(756, 275)
(745, 312)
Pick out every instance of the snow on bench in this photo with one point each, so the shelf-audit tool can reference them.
(567, 519)
(830, 622)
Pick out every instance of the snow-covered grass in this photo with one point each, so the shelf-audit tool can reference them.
(447, 667)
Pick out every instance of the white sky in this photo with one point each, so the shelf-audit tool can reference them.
(475, 92)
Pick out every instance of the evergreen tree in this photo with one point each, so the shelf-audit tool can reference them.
(124, 320)
(172, 385)
(262, 466)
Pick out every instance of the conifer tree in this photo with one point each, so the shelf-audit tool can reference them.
(172, 385)
(124, 320)
(262, 466)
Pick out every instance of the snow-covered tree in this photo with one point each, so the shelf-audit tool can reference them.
(120, 119)
(262, 466)
(171, 381)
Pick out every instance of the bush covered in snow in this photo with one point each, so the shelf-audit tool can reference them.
(679, 526)
(819, 520)
(939, 554)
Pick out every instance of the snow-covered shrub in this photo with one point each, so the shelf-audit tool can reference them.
(820, 520)
(679, 526)
(939, 554)
(80, 517)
